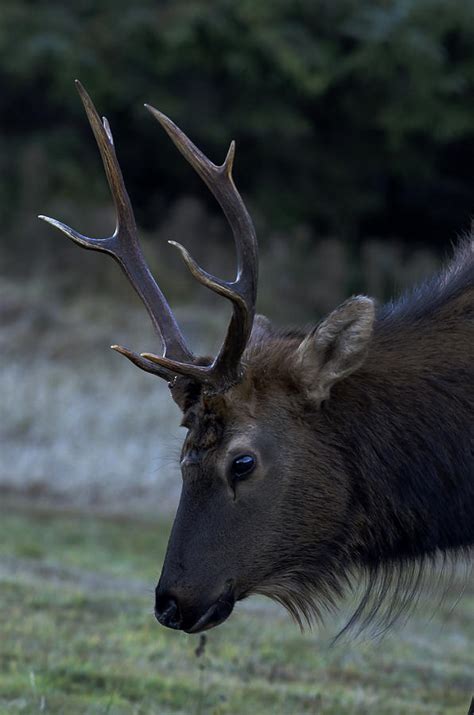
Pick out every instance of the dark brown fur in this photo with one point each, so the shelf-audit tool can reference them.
(376, 478)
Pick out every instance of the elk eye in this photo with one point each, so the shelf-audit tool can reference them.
(242, 466)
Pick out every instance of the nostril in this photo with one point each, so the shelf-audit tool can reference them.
(167, 612)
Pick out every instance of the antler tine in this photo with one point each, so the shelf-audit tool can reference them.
(124, 246)
(144, 364)
(243, 290)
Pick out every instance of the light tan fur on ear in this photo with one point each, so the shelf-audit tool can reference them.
(336, 347)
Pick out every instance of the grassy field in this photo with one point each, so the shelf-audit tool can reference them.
(78, 636)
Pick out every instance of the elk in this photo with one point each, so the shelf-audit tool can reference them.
(311, 455)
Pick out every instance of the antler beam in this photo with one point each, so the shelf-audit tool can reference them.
(123, 245)
(242, 292)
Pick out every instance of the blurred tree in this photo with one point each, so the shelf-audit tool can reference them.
(354, 117)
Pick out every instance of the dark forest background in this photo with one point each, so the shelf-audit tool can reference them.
(354, 123)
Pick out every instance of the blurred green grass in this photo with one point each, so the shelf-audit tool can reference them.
(78, 636)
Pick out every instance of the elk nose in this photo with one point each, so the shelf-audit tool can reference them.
(167, 611)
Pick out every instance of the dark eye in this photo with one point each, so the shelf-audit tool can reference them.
(242, 466)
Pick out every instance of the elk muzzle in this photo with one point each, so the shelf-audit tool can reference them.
(178, 611)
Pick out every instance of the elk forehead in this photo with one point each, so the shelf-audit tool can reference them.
(205, 422)
(212, 416)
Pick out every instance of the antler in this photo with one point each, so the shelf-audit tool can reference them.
(123, 245)
(242, 292)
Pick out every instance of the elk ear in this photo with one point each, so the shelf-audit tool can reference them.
(261, 329)
(336, 347)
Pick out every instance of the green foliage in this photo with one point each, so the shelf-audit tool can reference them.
(351, 116)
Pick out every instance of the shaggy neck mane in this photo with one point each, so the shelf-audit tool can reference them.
(404, 425)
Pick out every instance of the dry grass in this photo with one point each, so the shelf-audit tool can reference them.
(78, 424)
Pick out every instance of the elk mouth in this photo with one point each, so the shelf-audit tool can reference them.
(215, 614)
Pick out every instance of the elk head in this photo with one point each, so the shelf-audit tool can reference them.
(256, 429)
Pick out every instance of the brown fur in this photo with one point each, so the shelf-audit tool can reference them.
(363, 431)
